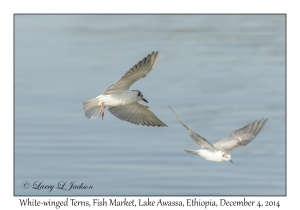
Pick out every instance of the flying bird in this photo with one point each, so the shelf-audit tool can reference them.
(124, 103)
(219, 152)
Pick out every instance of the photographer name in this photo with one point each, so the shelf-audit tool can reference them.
(62, 185)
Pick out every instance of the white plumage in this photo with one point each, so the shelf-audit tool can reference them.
(124, 103)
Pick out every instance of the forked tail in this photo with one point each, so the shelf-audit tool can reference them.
(91, 108)
(192, 152)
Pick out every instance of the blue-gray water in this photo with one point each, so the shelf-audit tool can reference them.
(218, 72)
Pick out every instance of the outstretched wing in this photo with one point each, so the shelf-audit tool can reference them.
(137, 72)
(202, 142)
(136, 113)
(242, 136)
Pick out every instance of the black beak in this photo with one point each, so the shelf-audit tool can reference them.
(144, 100)
(231, 161)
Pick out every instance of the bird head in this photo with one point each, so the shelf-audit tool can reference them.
(140, 95)
(227, 157)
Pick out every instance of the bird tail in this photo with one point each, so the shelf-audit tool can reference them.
(91, 108)
(192, 152)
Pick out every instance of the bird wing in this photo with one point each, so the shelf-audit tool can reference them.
(202, 142)
(242, 136)
(136, 113)
(137, 72)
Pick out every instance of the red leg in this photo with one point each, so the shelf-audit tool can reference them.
(102, 110)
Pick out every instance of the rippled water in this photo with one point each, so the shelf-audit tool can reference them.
(218, 72)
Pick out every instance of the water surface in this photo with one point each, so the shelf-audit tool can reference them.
(218, 72)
